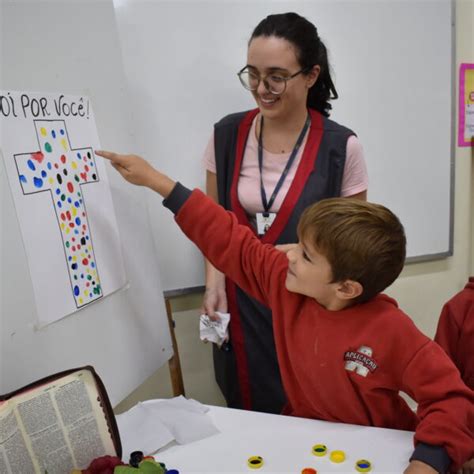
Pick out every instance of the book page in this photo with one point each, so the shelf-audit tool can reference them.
(13, 449)
(63, 424)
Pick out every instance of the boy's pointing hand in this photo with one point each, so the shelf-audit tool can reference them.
(138, 171)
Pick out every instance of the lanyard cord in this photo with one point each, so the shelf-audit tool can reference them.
(268, 205)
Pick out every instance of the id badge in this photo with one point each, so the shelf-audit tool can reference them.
(264, 221)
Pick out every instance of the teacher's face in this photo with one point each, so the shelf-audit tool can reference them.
(268, 56)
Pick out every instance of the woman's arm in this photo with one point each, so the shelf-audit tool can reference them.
(215, 298)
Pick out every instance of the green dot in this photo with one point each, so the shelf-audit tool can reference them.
(48, 147)
(76, 178)
(67, 244)
(63, 197)
(89, 277)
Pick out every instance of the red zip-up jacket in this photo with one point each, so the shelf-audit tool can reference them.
(344, 366)
(455, 333)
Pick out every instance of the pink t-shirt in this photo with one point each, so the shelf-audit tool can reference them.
(354, 180)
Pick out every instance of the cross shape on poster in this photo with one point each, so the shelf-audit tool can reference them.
(61, 171)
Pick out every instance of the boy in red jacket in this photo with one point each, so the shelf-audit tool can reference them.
(344, 350)
(455, 333)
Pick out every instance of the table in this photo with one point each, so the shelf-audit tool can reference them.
(285, 443)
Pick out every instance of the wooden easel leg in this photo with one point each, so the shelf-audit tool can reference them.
(174, 363)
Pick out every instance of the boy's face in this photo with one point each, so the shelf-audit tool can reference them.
(310, 274)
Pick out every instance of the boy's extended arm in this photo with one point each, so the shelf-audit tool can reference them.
(445, 407)
(232, 248)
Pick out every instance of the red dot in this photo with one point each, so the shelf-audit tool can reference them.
(70, 187)
(71, 224)
(86, 168)
(63, 217)
(63, 158)
(83, 214)
(84, 226)
(56, 165)
(68, 214)
(73, 248)
(78, 246)
(73, 239)
(88, 284)
(85, 261)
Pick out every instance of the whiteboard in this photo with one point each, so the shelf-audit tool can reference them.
(392, 63)
(73, 47)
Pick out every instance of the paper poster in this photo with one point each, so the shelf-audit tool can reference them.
(466, 105)
(62, 199)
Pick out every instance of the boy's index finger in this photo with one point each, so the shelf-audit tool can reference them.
(106, 154)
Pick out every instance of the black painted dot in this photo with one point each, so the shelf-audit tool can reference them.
(59, 178)
(94, 176)
(83, 241)
(65, 172)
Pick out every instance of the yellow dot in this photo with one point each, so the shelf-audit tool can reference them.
(62, 225)
(67, 230)
(337, 456)
(74, 258)
(89, 247)
(94, 273)
(83, 255)
(74, 211)
(81, 300)
(51, 180)
(64, 144)
(74, 165)
(86, 292)
(43, 131)
(88, 270)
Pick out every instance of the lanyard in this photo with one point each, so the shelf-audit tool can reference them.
(268, 205)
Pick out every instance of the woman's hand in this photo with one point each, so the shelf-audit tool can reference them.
(215, 298)
(138, 171)
(418, 467)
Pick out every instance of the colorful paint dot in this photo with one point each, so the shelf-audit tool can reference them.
(44, 174)
(89, 154)
(38, 156)
(31, 165)
(63, 159)
(76, 178)
(59, 178)
(63, 197)
(53, 133)
(74, 266)
(64, 144)
(79, 155)
(85, 261)
(73, 211)
(94, 176)
(63, 217)
(92, 264)
(92, 163)
(38, 182)
(78, 221)
(23, 178)
(49, 165)
(48, 147)
(67, 245)
(70, 187)
(69, 200)
(83, 241)
(81, 300)
(76, 290)
(51, 181)
(56, 165)
(89, 277)
(43, 131)
(60, 204)
(61, 131)
(76, 203)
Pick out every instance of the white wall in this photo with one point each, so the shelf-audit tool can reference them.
(421, 289)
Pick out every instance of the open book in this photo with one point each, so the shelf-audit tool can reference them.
(57, 424)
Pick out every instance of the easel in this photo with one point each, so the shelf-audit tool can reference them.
(174, 363)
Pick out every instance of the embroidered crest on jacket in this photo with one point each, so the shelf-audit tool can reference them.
(360, 361)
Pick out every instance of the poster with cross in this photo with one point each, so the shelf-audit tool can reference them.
(63, 200)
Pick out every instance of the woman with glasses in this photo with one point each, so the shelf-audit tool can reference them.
(267, 165)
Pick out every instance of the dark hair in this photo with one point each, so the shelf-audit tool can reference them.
(362, 241)
(310, 52)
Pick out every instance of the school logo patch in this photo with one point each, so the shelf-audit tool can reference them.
(360, 361)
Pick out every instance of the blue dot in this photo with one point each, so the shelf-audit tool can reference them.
(76, 232)
(22, 178)
(75, 277)
(92, 264)
(61, 132)
(69, 258)
(43, 174)
(31, 165)
(49, 165)
(69, 200)
(58, 191)
(53, 133)
(78, 221)
(76, 290)
(74, 266)
(60, 204)
(87, 237)
(38, 182)
(92, 163)
(77, 204)
(79, 155)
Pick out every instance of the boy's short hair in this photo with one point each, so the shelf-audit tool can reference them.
(362, 241)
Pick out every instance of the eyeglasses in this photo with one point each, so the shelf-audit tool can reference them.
(274, 83)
